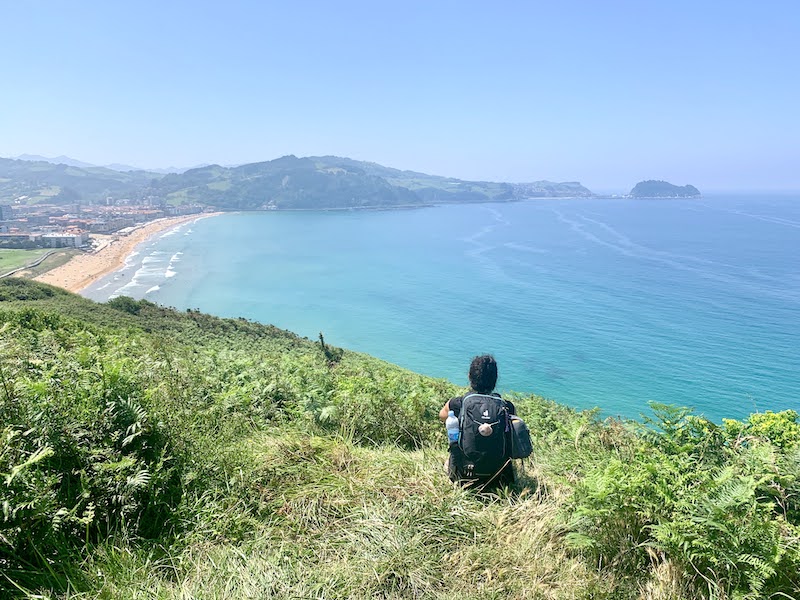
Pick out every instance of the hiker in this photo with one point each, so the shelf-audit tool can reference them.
(482, 456)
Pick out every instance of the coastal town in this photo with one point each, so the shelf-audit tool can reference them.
(73, 244)
(24, 226)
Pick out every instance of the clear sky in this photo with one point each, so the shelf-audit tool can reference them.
(606, 93)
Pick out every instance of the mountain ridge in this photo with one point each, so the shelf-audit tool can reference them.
(287, 182)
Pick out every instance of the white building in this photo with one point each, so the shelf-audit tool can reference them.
(65, 240)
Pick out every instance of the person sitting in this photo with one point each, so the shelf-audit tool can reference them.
(482, 456)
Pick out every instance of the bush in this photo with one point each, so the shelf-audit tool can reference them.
(693, 494)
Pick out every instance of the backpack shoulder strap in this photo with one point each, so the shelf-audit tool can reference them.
(492, 395)
(463, 415)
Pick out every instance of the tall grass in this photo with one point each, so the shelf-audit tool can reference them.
(329, 519)
(146, 453)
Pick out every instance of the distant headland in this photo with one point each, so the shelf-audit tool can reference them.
(661, 189)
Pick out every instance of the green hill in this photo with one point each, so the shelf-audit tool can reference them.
(333, 182)
(147, 453)
(325, 182)
(40, 181)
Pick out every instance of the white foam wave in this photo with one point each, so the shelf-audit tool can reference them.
(155, 288)
(131, 259)
(171, 272)
(524, 248)
(742, 213)
(170, 232)
(125, 290)
(153, 257)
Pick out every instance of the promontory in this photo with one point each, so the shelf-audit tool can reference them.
(661, 189)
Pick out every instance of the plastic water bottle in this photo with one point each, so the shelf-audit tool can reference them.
(451, 424)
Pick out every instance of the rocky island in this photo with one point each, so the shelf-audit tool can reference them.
(661, 189)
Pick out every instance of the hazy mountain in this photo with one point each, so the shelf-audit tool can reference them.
(123, 168)
(57, 160)
(165, 171)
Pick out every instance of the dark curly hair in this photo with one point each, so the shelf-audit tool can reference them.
(483, 373)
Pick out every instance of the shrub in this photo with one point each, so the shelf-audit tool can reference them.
(726, 512)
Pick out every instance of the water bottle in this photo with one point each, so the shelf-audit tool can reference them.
(451, 424)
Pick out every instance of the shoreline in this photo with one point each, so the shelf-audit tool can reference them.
(85, 269)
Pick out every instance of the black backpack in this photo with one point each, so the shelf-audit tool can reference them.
(484, 454)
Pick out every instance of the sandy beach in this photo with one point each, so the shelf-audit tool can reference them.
(109, 254)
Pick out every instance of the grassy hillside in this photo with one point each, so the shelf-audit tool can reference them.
(334, 182)
(146, 453)
(40, 181)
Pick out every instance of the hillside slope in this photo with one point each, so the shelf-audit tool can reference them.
(39, 181)
(150, 453)
(333, 182)
(321, 182)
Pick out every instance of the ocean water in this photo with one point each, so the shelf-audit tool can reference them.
(591, 302)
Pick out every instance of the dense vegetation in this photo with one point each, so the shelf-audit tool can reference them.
(146, 453)
(662, 189)
(289, 183)
(41, 181)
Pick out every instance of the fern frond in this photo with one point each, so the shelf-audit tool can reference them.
(139, 480)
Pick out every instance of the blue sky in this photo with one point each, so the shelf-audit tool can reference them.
(606, 93)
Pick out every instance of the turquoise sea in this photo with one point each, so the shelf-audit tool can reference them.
(590, 302)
